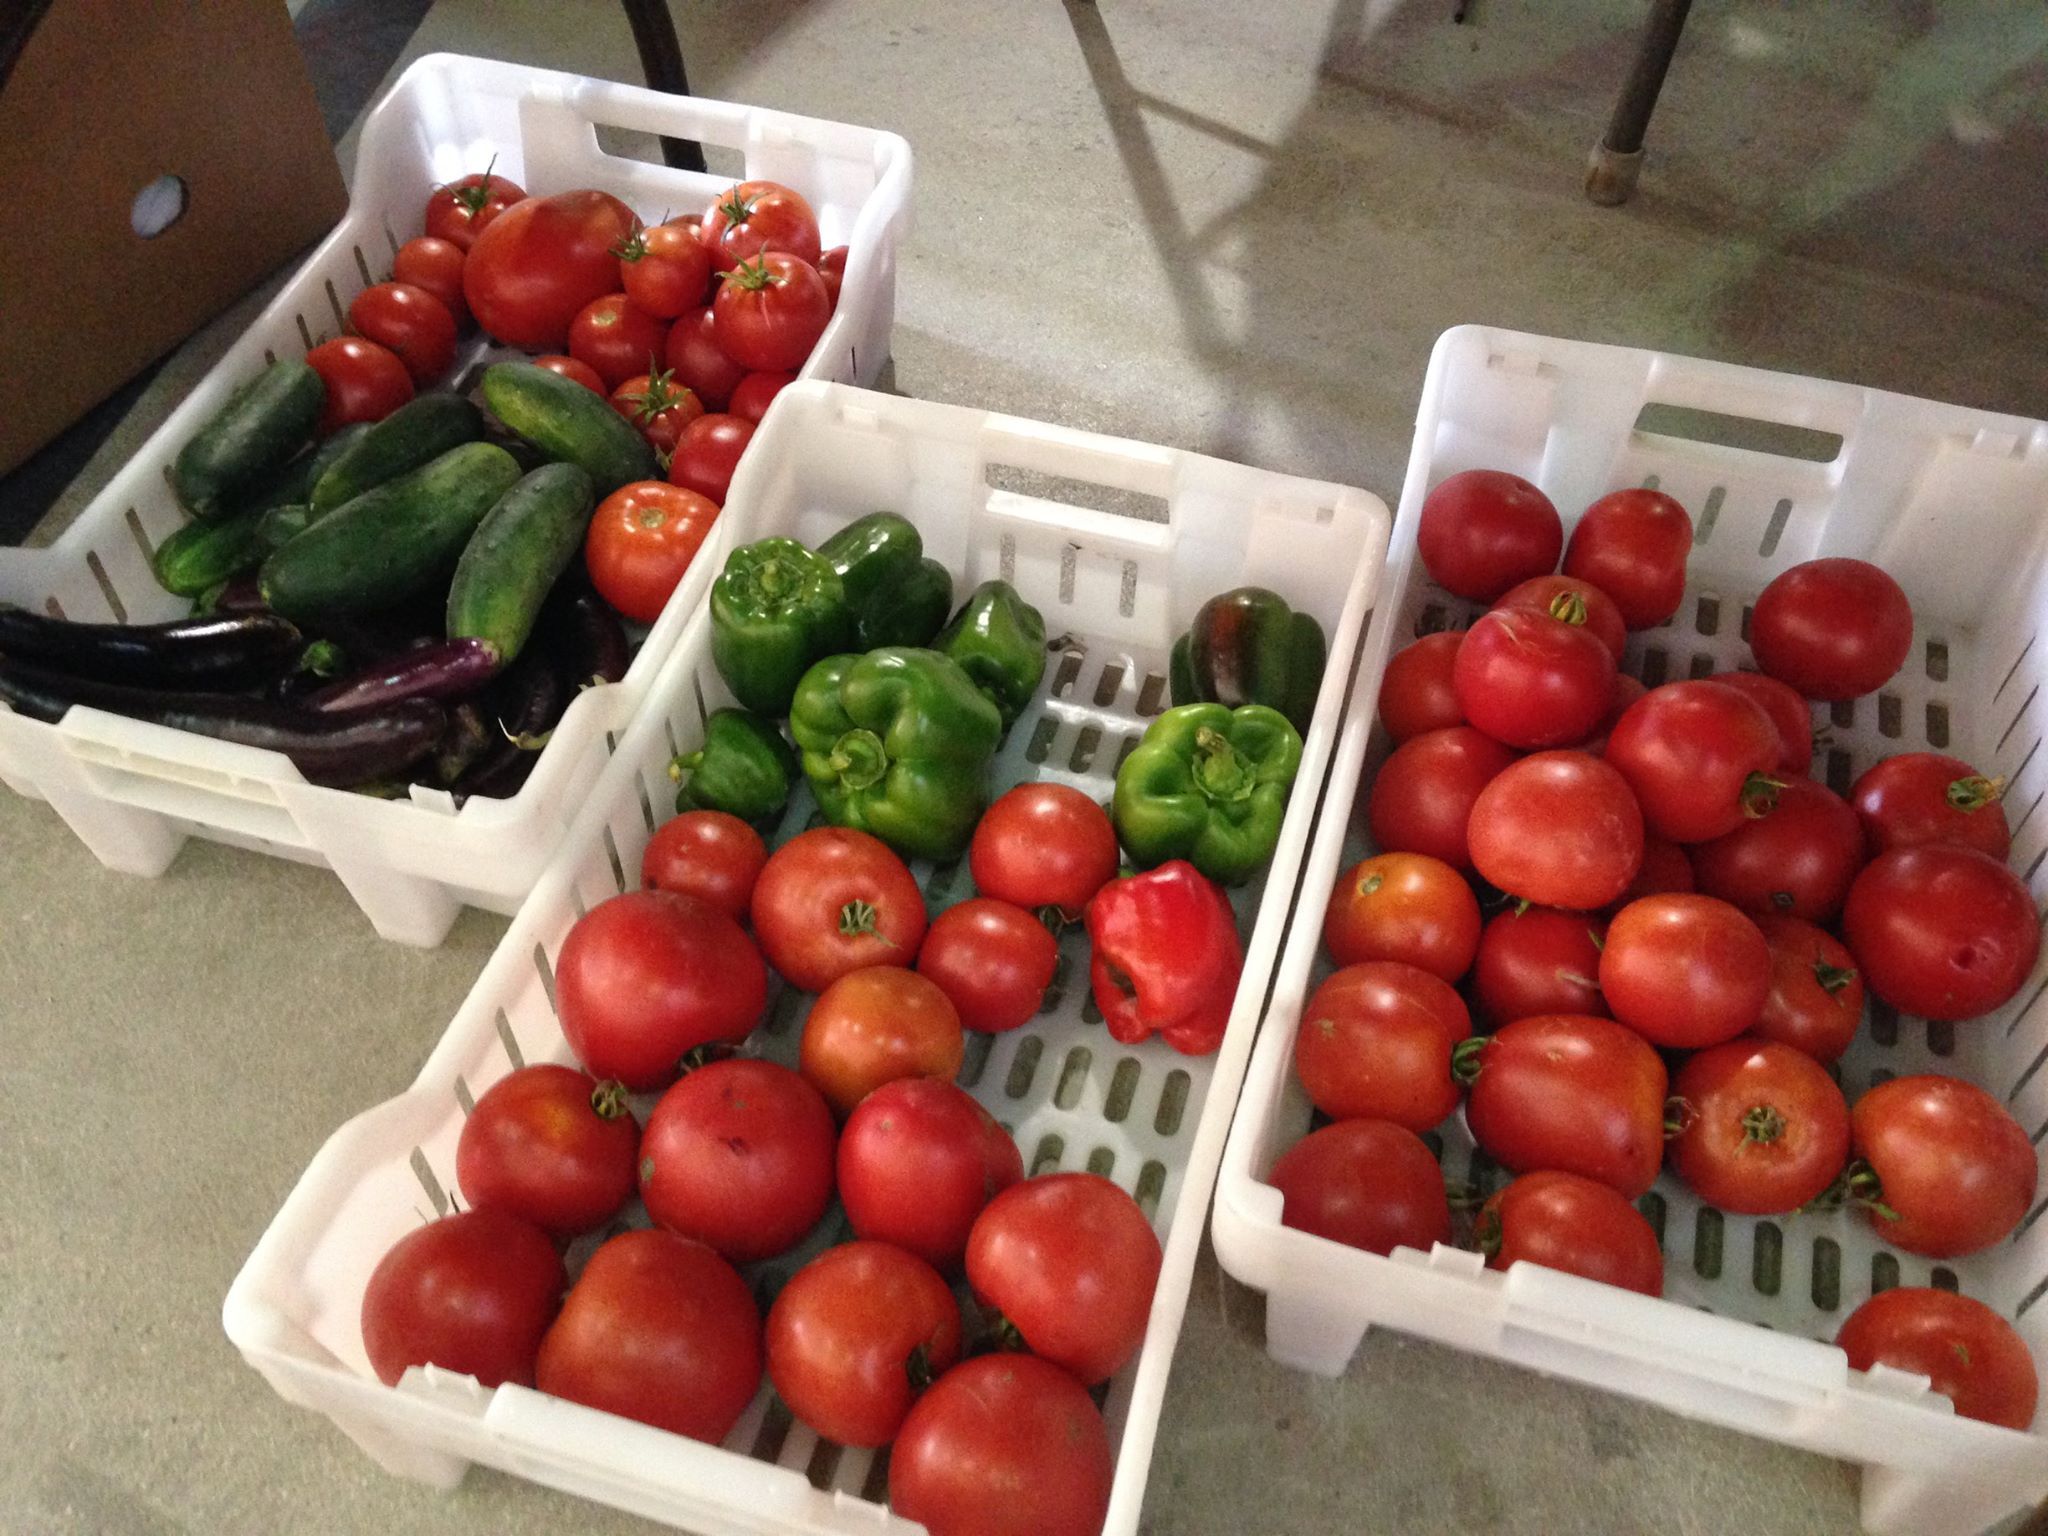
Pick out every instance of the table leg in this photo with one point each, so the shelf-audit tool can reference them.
(1617, 159)
(661, 60)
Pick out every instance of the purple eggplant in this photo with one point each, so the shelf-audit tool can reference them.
(584, 632)
(526, 703)
(449, 669)
(334, 750)
(220, 651)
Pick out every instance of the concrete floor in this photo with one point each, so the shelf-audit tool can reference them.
(1234, 228)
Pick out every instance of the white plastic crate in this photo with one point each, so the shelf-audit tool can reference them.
(1115, 590)
(134, 792)
(1951, 501)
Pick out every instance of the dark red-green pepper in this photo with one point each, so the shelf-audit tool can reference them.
(1248, 647)
(1165, 958)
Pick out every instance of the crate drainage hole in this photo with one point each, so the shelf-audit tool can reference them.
(1073, 1077)
(1047, 1157)
(1706, 1243)
(1151, 1182)
(1827, 1274)
(1024, 1066)
(1173, 1102)
(1123, 1088)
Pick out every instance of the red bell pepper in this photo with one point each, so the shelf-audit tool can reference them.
(1165, 958)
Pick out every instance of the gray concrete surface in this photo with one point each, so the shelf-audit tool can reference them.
(1235, 228)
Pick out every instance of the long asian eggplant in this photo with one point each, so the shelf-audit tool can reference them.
(334, 750)
(584, 632)
(447, 669)
(219, 651)
(528, 700)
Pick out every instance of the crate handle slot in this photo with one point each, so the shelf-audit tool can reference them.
(1082, 457)
(1752, 434)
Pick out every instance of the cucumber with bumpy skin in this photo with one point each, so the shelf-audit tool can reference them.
(262, 425)
(515, 556)
(202, 555)
(418, 432)
(570, 423)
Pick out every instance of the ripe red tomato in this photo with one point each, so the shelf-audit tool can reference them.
(658, 407)
(465, 208)
(757, 216)
(1788, 710)
(1699, 757)
(1482, 531)
(660, 1329)
(552, 1146)
(1407, 907)
(641, 541)
(693, 356)
(877, 1024)
(856, 1336)
(1538, 960)
(706, 454)
(665, 269)
(1926, 797)
(1070, 1262)
(1417, 693)
(649, 976)
(1529, 680)
(365, 381)
(1833, 629)
(434, 266)
(1559, 829)
(1044, 845)
(412, 323)
(832, 900)
(1003, 1445)
(752, 396)
(1954, 1170)
(1375, 1044)
(1797, 857)
(832, 271)
(738, 1154)
(569, 368)
(1763, 1128)
(1366, 1183)
(1422, 799)
(1574, 1093)
(710, 855)
(1815, 1003)
(1569, 1223)
(769, 312)
(1968, 1353)
(1665, 868)
(1941, 932)
(1633, 545)
(993, 961)
(471, 1293)
(1574, 602)
(1685, 971)
(539, 262)
(917, 1162)
(617, 340)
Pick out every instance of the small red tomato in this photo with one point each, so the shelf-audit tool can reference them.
(1572, 601)
(465, 208)
(1044, 845)
(693, 356)
(1833, 629)
(875, 1025)
(1530, 680)
(552, 1146)
(436, 266)
(1941, 932)
(757, 216)
(1482, 531)
(752, 396)
(1953, 1171)
(709, 855)
(1632, 545)
(1763, 1128)
(769, 312)
(1569, 1092)
(1815, 1003)
(832, 900)
(1927, 797)
(1366, 1183)
(918, 1161)
(1422, 798)
(640, 544)
(1573, 1224)
(707, 453)
(1797, 856)
(1685, 971)
(658, 407)
(1376, 1042)
(569, 368)
(664, 269)
(993, 960)
(1559, 829)
(472, 1293)
(1788, 710)
(1967, 1352)
(1417, 694)
(617, 340)
(412, 323)
(1699, 757)
(1537, 960)
(365, 381)
(1407, 907)
(832, 271)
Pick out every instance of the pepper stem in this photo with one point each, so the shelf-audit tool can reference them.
(1221, 771)
(859, 759)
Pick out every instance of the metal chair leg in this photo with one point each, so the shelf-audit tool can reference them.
(1617, 159)
(661, 60)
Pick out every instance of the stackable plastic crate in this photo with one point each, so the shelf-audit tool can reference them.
(133, 792)
(993, 497)
(1775, 470)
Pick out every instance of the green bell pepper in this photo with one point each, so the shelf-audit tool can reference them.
(1248, 647)
(998, 640)
(744, 768)
(897, 743)
(775, 609)
(1209, 785)
(897, 596)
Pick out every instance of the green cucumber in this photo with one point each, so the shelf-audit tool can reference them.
(202, 555)
(422, 429)
(262, 425)
(515, 556)
(283, 521)
(390, 543)
(280, 525)
(570, 423)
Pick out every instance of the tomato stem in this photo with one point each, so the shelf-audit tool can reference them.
(608, 1098)
(1486, 1233)
(1759, 795)
(1975, 792)
(918, 1368)
(1568, 608)
(705, 1055)
(1678, 1116)
(1465, 1063)
(1832, 978)
(1762, 1123)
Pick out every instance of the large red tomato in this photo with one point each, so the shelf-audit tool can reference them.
(647, 977)
(832, 900)
(1632, 545)
(1685, 971)
(1044, 845)
(1560, 829)
(993, 960)
(1574, 602)
(618, 339)
(1422, 798)
(1570, 1092)
(739, 1155)
(1796, 857)
(708, 452)
(1788, 710)
(757, 216)
(1071, 1262)
(1967, 1352)
(1417, 693)
(412, 323)
(917, 1162)
(1699, 757)
(693, 356)
(709, 855)
(1369, 1184)
(1403, 906)
(1574, 1224)
(465, 208)
(1816, 999)
(1762, 1128)
(875, 1025)
(364, 381)
(1833, 629)
(471, 1293)
(1376, 1042)
(551, 1145)
(1538, 960)
(541, 261)
(769, 313)
(641, 541)
(660, 1329)
(1940, 931)
(1927, 797)
(1483, 530)
(1953, 1172)
(1530, 680)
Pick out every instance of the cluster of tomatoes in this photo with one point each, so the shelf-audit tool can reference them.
(740, 1158)
(689, 328)
(1660, 979)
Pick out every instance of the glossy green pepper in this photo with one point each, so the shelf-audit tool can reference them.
(998, 640)
(1248, 647)
(775, 609)
(1209, 785)
(744, 768)
(896, 595)
(897, 743)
